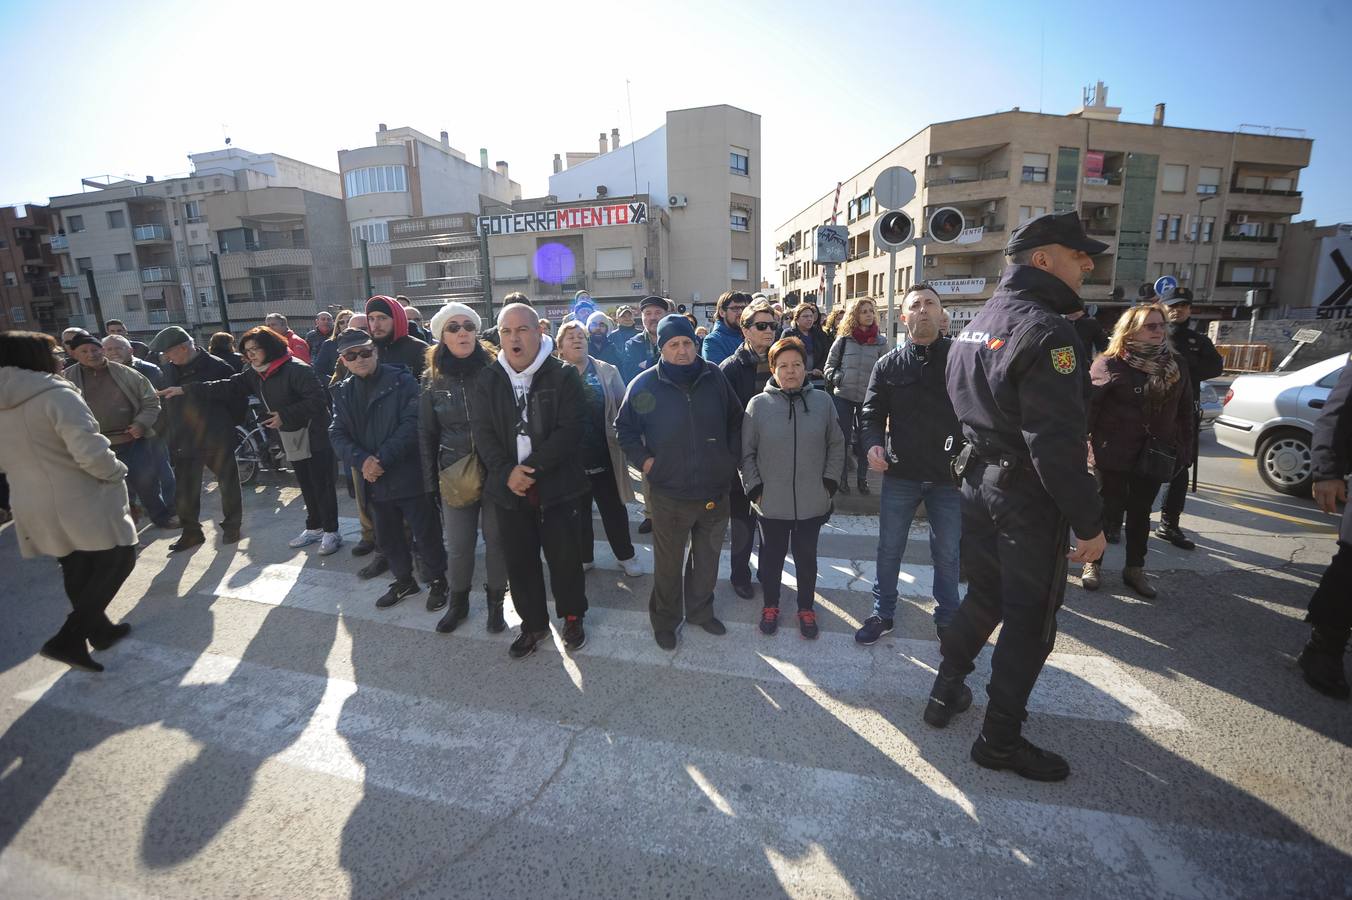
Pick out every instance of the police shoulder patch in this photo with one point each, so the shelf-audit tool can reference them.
(1063, 360)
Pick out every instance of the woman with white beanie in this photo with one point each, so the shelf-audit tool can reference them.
(453, 363)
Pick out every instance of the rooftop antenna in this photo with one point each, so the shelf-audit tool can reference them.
(1041, 66)
(633, 135)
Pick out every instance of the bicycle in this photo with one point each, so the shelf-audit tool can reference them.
(257, 448)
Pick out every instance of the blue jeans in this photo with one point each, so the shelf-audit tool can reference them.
(943, 504)
(143, 478)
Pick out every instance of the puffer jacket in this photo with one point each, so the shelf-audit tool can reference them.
(378, 416)
(1120, 424)
(792, 445)
(742, 370)
(849, 365)
(288, 387)
(445, 432)
(721, 343)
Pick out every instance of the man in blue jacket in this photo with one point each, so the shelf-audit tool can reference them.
(682, 425)
(726, 337)
(641, 351)
(375, 428)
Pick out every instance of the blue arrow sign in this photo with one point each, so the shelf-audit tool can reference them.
(1165, 285)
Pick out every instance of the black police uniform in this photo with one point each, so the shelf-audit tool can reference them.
(1330, 612)
(1203, 362)
(1014, 376)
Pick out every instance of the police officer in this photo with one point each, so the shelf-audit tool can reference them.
(1025, 484)
(1203, 362)
(1330, 612)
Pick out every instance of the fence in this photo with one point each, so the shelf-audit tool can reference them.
(1246, 357)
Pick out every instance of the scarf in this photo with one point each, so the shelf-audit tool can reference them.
(450, 364)
(682, 375)
(865, 335)
(1158, 363)
(521, 384)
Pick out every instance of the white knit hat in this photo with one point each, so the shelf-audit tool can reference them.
(453, 309)
(599, 316)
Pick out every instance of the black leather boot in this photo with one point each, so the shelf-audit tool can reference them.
(949, 696)
(66, 647)
(496, 623)
(456, 612)
(1001, 746)
(1322, 661)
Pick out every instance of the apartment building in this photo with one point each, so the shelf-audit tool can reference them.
(1207, 207)
(149, 243)
(1314, 271)
(700, 176)
(435, 260)
(408, 175)
(32, 297)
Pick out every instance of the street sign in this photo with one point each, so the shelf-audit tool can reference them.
(1307, 335)
(1165, 285)
(832, 244)
(894, 187)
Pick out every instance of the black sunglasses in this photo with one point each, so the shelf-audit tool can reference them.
(762, 326)
(354, 355)
(454, 327)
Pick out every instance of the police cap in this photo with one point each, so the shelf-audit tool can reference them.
(1055, 228)
(1177, 296)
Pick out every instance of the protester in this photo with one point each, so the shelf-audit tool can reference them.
(680, 423)
(322, 331)
(792, 453)
(119, 328)
(527, 414)
(124, 403)
(297, 407)
(602, 458)
(367, 543)
(640, 352)
(727, 336)
(747, 370)
(580, 309)
(490, 334)
(599, 344)
(66, 337)
(912, 434)
(326, 357)
(446, 438)
(807, 328)
(68, 493)
(388, 322)
(849, 365)
(1089, 330)
(357, 321)
(375, 428)
(201, 434)
(414, 316)
(625, 329)
(222, 346)
(119, 350)
(1140, 416)
(297, 344)
(832, 324)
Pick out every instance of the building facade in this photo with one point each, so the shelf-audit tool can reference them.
(1314, 271)
(32, 293)
(435, 260)
(1207, 207)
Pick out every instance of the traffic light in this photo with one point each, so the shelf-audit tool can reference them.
(945, 224)
(892, 230)
(680, 308)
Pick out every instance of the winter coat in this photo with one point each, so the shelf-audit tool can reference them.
(298, 346)
(1198, 355)
(908, 411)
(639, 354)
(605, 350)
(742, 372)
(816, 339)
(1119, 424)
(721, 343)
(402, 348)
(378, 416)
(694, 434)
(849, 365)
(792, 447)
(555, 406)
(314, 339)
(613, 388)
(290, 389)
(624, 334)
(68, 490)
(152, 373)
(326, 360)
(134, 386)
(444, 426)
(199, 426)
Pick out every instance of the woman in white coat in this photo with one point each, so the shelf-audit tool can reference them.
(68, 492)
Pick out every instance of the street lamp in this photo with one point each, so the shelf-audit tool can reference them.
(1197, 239)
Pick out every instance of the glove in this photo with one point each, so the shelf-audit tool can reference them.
(831, 486)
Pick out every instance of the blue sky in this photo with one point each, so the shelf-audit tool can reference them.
(132, 88)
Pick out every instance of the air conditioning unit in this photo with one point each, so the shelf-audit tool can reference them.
(931, 260)
(992, 206)
(1241, 219)
(934, 159)
(676, 201)
(1103, 212)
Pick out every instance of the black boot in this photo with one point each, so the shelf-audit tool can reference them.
(456, 613)
(496, 623)
(1001, 746)
(107, 635)
(1322, 661)
(1170, 532)
(66, 648)
(949, 696)
(863, 484)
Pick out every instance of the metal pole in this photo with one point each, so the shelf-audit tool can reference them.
(891, 299)
(94, 299)
(484, 274)
(830, 287)
(220, 291)
(366, 269)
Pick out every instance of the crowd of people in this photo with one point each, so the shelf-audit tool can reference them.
(1029, 430)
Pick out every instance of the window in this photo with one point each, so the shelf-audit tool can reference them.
(198, 254)
(1280, 184)
(1035, 166)
(18, 314)
(1208, 229)
(1175, 179)
(1203, 273)
(739, 161)
(191, 211)
(1276, 229)
(203, 298)
(373, 232)
(10, 279)
(510, 268)
(1160, 227)
(375, 180)
(1175, 225)
(740, 222)
(1252, 182)
(738, 269)
(84, 264)
(117, 218)
(74, 224)
(131, 301)
(124, 263)
(1208, 180)
(415, 274)
(1193, 226)
(614, 262)
(1028, 214)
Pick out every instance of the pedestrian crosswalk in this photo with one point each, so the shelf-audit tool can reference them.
(736, 766)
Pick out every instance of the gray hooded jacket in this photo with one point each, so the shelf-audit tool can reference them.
(791, 445)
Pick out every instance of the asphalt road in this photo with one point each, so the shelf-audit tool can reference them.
(266, 732)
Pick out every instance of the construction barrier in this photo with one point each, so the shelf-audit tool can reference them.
(1246, 357)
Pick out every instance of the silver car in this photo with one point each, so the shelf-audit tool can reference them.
(1270, 416)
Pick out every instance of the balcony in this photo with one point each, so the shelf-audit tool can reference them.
(1245, 247)
(58, 242)
(1244, 284)
(614, 273)
(71, 282)
(165, 317)
(159, 275)
(1100, 228)
(150, 234)
(1252, 200)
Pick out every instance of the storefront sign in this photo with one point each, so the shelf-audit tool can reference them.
(565, 218)
(959, 286)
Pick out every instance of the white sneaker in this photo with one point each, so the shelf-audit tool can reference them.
(305, 538)
(330, 543)
(587, 567)
(631, 567)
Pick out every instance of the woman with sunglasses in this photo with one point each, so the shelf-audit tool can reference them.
(1139, 403)
(453, 363)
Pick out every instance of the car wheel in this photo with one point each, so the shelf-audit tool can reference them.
(1285, 462)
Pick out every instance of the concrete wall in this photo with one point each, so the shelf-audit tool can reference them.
(1278, 334)
(615, 170)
